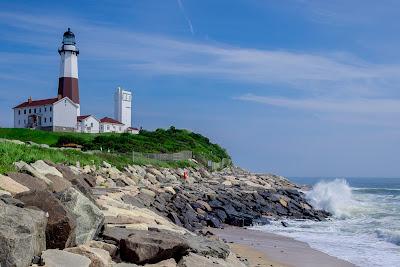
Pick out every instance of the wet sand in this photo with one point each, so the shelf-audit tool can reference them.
(266, 249)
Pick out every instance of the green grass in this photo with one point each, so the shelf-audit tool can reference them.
(10, 153)
(159, 141)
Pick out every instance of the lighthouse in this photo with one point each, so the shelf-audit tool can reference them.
(68, 78)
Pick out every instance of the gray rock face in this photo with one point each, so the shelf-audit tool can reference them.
(60, 229)
(143, 247)
(22, 235)
(89, 217)
(60, 258)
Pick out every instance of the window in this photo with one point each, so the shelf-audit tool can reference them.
(45, 120)
(108, 127)
(19, 122)
(50, 119)
(120, 128)
(19, 112)
(91, 124)
(24, 122)
(51, 108)
(40, 110)
(30, 111)
(34, 111)
(24, 111)
(45, 109)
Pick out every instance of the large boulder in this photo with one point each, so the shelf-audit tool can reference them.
(25, 167)
(60, 229)
(89, 217)
(143, 247)
(61, 258)
(9, 185)
(27, 180)
(99, 257)
(22, 235)
(45, 169)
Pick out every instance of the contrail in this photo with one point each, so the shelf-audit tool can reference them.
(182, 8)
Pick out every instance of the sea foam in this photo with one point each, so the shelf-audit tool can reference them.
(333, 196)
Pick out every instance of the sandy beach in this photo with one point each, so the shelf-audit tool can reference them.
(266, 249)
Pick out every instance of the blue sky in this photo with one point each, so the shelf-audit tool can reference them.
(298, 88)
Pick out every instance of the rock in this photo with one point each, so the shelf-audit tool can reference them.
(9, 200)
(112, 249)
(165, 263)
(89, 217)
(106, 165)
(61, 258)
(99, 257)
(147, 192)
(27, 180)
(193, 260)
(143, 247)
(283, 202)
(58, 183)
(9, 185)
(227, 183)
(150, 177)
(60, 229)
(77, 180)
(24, 167)
(207, 247)
(43, 168)
(204, 204)
(4, 193)
(22, 235)
(170, 190)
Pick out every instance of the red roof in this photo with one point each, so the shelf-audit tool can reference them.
(81, 118)
(109, 120)
(134, 129)
(33, 103)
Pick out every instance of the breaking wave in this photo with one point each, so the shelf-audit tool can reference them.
(333, 196)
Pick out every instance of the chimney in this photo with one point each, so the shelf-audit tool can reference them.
(59, 96)
(30, 100)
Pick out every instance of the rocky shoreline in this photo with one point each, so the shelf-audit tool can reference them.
(57, 215)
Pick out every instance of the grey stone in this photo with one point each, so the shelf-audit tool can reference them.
(22, 235)
(60, 258)
(89, 217)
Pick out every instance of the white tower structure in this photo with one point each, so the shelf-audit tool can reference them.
(123, 106)
(68, 78)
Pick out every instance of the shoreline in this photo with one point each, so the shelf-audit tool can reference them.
(275, 250)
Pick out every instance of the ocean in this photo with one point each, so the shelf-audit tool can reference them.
(365, 227)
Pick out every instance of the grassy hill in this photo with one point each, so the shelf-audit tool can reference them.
(158, 141)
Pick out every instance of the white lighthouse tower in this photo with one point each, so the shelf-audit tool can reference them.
(123, 106)
(68, 78)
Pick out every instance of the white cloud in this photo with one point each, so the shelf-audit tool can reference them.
(356, 105)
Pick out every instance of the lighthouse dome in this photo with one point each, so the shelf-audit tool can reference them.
(69, 38)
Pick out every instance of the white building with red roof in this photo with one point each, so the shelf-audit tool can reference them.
(53, 114)
(110, 125)
(87, 124)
